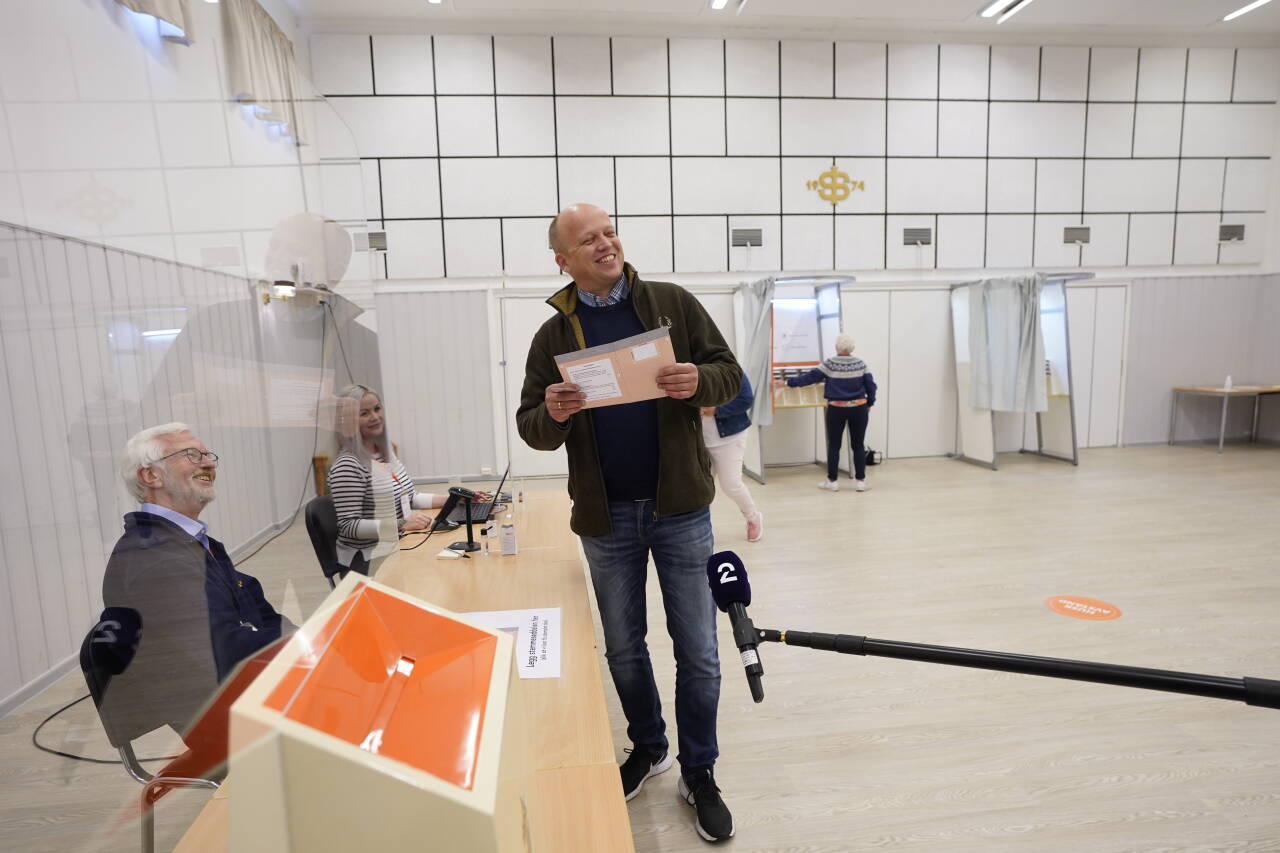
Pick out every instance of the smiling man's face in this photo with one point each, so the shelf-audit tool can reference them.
(177, 482)
(588, 248)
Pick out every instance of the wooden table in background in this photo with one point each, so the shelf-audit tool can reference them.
(1254, 391)
(578, 804)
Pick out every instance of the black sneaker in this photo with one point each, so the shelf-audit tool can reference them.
(698, 789)
(642, 763)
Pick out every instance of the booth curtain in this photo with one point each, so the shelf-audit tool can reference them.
(1006, 345)
(176, 13)
(261, 66)
(754, 351)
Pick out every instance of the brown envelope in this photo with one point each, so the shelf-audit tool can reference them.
(624, 371)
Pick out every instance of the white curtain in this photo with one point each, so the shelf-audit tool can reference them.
(261, 66)
(175, 13)
(754, 353)
(1006, 345)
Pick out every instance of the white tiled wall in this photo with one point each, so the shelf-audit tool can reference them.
(995, 148)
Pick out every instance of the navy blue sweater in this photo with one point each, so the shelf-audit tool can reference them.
(626, 435)
(846, 378)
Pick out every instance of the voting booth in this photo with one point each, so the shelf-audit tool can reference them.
(384, 724)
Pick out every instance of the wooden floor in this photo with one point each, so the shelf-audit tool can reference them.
(849, 753)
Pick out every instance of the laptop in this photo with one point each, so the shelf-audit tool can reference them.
(480, 513)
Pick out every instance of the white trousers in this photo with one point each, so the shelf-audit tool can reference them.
(726, 462)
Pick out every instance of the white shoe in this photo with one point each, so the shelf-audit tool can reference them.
(755, 527)
(860, 486)
(829, 485)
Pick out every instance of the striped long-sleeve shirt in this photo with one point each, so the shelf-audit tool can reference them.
(363, 493)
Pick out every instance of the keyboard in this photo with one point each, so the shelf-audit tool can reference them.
(479, 512)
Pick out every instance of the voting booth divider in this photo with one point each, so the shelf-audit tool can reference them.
(384, 723)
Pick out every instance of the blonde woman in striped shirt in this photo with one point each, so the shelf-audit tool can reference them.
(371, 489)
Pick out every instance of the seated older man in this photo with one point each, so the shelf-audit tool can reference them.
(199, 616)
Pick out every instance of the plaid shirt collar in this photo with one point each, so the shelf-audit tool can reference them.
(619, 293)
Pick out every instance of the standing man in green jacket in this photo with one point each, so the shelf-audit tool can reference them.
(640, 481)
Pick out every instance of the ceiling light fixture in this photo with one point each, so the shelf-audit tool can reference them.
(1013, 11)
(1245, 9)
(717, 5)
(997, 7)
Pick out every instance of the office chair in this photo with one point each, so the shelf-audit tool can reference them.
(105, 653)
(322, 526)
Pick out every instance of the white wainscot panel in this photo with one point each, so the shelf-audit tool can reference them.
(964, 71)
(866, 318)
(1037, 130)
(1209, 73)
(1130, 185)
(701, 244)
(1150, 239)
(1250, 250)
(467, 127)
(860, 70)
(1108, 240)
(752, 125)
(1011, 186)
(1108, 366)
(922, 419)
(1010, 239)
(751, 67)
(1257, 74)
(1110, 130)
(340, 64)
(960, 241)
(1200, 185)
(612, 125)
(582, 65)
(1113, 75)
(639, 66)
(647, 242)
(1050, 250)
(380, 127)
(1196, 239)
(1228, 130)
(940, 185)
(473, 247)
(414, 250)
(1157, 130)
(901, 257)
(1058, 187)
(807, 69)
(402, 64)
(962, 128)
(730, 185)
(763, 258)
(464, 65)
(521, 319)
(697, 126)
(1015, 72)
(526, 126)
(913, 71)
(913, 128)
(697, 66)
(808, 243)
(644, 186)
(1161, 73)
(523, 65)
(516, 186)
(587, 179)
(1248, 185)
(1081, 309)
(524, 247)
(860, 242)
(410, 189)
(819, 127)
(1064, 73)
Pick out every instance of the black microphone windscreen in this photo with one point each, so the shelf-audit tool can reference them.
(728, 579)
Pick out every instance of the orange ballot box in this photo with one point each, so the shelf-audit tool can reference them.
(384, 724)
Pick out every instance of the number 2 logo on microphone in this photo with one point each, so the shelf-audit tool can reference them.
(726, 573)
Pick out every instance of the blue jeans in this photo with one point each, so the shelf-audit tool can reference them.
(619, 565)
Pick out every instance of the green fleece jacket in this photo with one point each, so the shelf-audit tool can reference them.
(684, 475)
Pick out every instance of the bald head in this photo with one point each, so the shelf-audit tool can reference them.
(566, 215)
(587, 247)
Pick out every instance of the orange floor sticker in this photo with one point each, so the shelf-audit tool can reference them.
(1082, 608)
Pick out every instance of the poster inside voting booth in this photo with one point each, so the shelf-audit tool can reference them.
(806, 322)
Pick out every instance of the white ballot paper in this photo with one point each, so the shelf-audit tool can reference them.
(596, 378)
(624, 371)
(537, 635)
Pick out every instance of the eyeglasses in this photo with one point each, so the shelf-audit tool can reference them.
(195, 457)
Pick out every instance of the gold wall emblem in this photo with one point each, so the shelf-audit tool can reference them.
(835, 186)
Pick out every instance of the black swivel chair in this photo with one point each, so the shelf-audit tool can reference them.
(105, 653)
(322, 525)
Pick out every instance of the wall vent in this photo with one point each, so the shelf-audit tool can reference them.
(377, 241)
(917, 236)
(1230, 233)
(1075, 234)
(746, 237)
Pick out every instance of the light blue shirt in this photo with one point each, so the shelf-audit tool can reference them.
(198, 529)
(620, 291)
